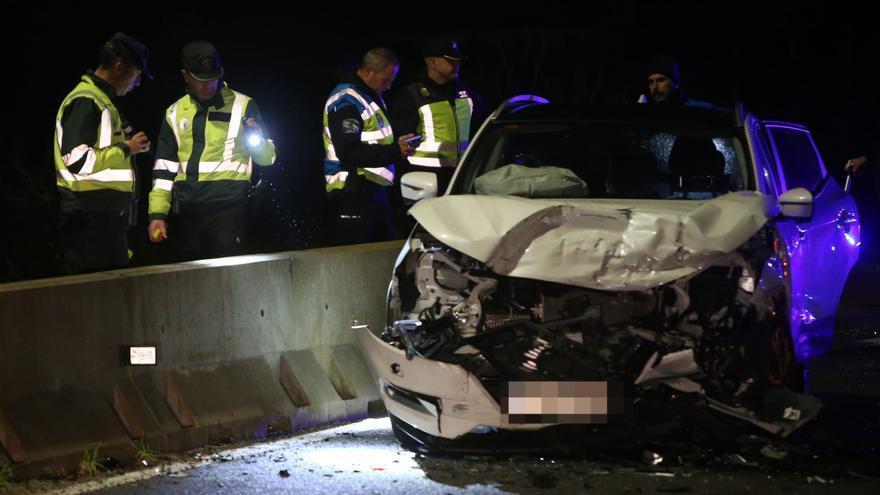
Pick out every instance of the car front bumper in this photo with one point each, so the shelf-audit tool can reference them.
(440, 399)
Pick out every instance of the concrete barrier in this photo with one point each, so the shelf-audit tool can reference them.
(245, 344)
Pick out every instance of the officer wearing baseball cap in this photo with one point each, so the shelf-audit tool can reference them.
(94, 153)
(202, 61)
(130, 50)
(444, 47)
(208, 142)
(437, 107)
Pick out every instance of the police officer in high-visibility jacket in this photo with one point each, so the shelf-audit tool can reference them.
(208, 143)
(439, 108)
(360, 151)
(94, 159)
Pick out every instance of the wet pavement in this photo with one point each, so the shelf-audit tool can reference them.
(837, 451)
(364, 457)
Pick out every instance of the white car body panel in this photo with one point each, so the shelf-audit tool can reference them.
(595, 243)
(465, 402)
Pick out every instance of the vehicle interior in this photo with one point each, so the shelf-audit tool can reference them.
(605, 160)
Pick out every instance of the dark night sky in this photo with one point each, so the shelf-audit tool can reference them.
(807, 63)
(815, 64)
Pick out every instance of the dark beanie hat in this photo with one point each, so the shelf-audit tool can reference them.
(665, 66)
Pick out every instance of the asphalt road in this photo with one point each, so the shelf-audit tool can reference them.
(837, 451)
(365, 458)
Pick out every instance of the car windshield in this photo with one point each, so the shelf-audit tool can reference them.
(605, 160)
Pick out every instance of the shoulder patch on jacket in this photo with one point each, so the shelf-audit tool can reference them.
(351, 126)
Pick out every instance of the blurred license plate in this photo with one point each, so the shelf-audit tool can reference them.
(598, 402)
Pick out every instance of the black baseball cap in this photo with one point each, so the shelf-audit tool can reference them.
(202, 61)
(444, 47)
(130, 50)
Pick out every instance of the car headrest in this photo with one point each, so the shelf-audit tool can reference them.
(695, 157)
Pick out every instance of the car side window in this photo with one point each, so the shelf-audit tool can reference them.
(765, 165)
(797, 158)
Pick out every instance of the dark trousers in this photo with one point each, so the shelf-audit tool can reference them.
(359, 213)
(94, 240)
(207, 232)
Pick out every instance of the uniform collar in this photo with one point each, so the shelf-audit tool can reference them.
(103, 85)
(447, 90)
(215, 101)
(362, 87)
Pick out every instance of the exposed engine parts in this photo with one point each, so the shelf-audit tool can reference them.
(719, 333)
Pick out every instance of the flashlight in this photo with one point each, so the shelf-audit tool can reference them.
(253, 136)
(254, 139)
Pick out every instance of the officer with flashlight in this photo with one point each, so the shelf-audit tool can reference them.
(208, 143)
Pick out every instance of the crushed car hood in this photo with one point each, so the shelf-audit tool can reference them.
(594, 243)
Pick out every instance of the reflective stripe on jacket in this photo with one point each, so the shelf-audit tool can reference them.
(376, 130)
(445, 129)
(106, 167)
(220, 170)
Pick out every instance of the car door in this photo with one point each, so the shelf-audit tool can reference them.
(822, 248)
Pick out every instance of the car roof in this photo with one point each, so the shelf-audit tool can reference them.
(624, 112)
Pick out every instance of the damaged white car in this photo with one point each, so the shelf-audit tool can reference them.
(588, 263)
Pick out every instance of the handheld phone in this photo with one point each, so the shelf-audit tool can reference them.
(413, 141)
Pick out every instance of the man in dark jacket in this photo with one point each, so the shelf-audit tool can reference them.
(360, 152)
(439, 109)
(664, 86)
(94, 158)
(208, 143)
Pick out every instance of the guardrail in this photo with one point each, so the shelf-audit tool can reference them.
(243, 345)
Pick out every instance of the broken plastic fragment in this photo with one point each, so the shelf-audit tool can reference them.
(771, 451)
(651, 458)
(739, 460)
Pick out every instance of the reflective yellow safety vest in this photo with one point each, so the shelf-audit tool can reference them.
(376, 130)
(445, 129)
(225, 164)
(106, 167)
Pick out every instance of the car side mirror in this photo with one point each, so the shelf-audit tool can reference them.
(796, 203)
(418, 185)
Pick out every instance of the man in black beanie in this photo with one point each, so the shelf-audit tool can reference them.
(664, 83)
(664, 86)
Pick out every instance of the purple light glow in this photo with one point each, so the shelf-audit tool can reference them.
(852, 240)
(807, 317)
